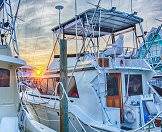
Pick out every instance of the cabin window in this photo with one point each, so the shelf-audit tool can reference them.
(48, 85)
(4, 77)
(112, 86)
(134, 84)
(73, 92)
(113, 97)
(103, 62)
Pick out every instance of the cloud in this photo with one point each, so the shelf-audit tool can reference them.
(40, 16)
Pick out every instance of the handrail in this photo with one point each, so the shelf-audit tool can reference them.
(64, 93)
(73, 125)
(147, 123)
(152, 118)
(80, 124)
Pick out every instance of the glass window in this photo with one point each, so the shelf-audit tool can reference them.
(4, 77)
(113, 98)
(135, 84)
(112, 85)
(73, 92)
(48, 85)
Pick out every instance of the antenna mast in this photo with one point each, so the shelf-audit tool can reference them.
(131, 2)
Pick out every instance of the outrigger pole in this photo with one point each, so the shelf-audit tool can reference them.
(64, 120)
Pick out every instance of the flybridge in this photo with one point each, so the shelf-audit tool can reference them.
(98, 22)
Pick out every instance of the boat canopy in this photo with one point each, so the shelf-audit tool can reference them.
(98, 22)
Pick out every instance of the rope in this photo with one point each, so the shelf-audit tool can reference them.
(80, 124)
(73, 125)
(87, 125)
(54, 46)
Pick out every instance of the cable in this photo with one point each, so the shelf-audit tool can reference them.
(73, 125)
(54, 46)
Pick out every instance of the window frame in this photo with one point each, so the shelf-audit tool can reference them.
(3, 84)
(130, 92)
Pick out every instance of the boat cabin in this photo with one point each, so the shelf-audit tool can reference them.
(125, 85)
(112, 83)
(9, 96)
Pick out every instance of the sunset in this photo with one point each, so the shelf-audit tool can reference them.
(39, 17)
(80, 66)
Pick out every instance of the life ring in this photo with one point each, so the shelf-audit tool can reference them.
(129, 116)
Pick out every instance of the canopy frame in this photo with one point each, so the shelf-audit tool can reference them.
(96, 23)
(111, 21)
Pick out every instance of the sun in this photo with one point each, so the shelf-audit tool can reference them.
(38, 72)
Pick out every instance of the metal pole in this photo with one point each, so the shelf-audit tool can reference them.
(64, 121)
(111, 3)
(59, 8)
(131, 2)
(113, 38)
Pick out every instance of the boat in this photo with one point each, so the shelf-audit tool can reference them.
(108, 89)
(151, 49)
(13, 116)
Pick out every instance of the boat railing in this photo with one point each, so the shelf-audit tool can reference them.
(154, 91)
(150, 125)
(147, 126)
(156, 40)
(59, 84)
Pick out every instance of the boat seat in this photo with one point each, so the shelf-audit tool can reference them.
(9, 124)
(129, 54)
(117, 47)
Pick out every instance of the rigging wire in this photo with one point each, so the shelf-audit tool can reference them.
(14, 32)
(76, 29)
(54, 47)
(133, 33)
(131, 4)
(54, 42)
(111, 3)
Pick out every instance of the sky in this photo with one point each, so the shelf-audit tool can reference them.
(34, 33)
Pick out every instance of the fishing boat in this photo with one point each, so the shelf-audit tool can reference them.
(151, 49)
(13, 116)
(108, 89)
